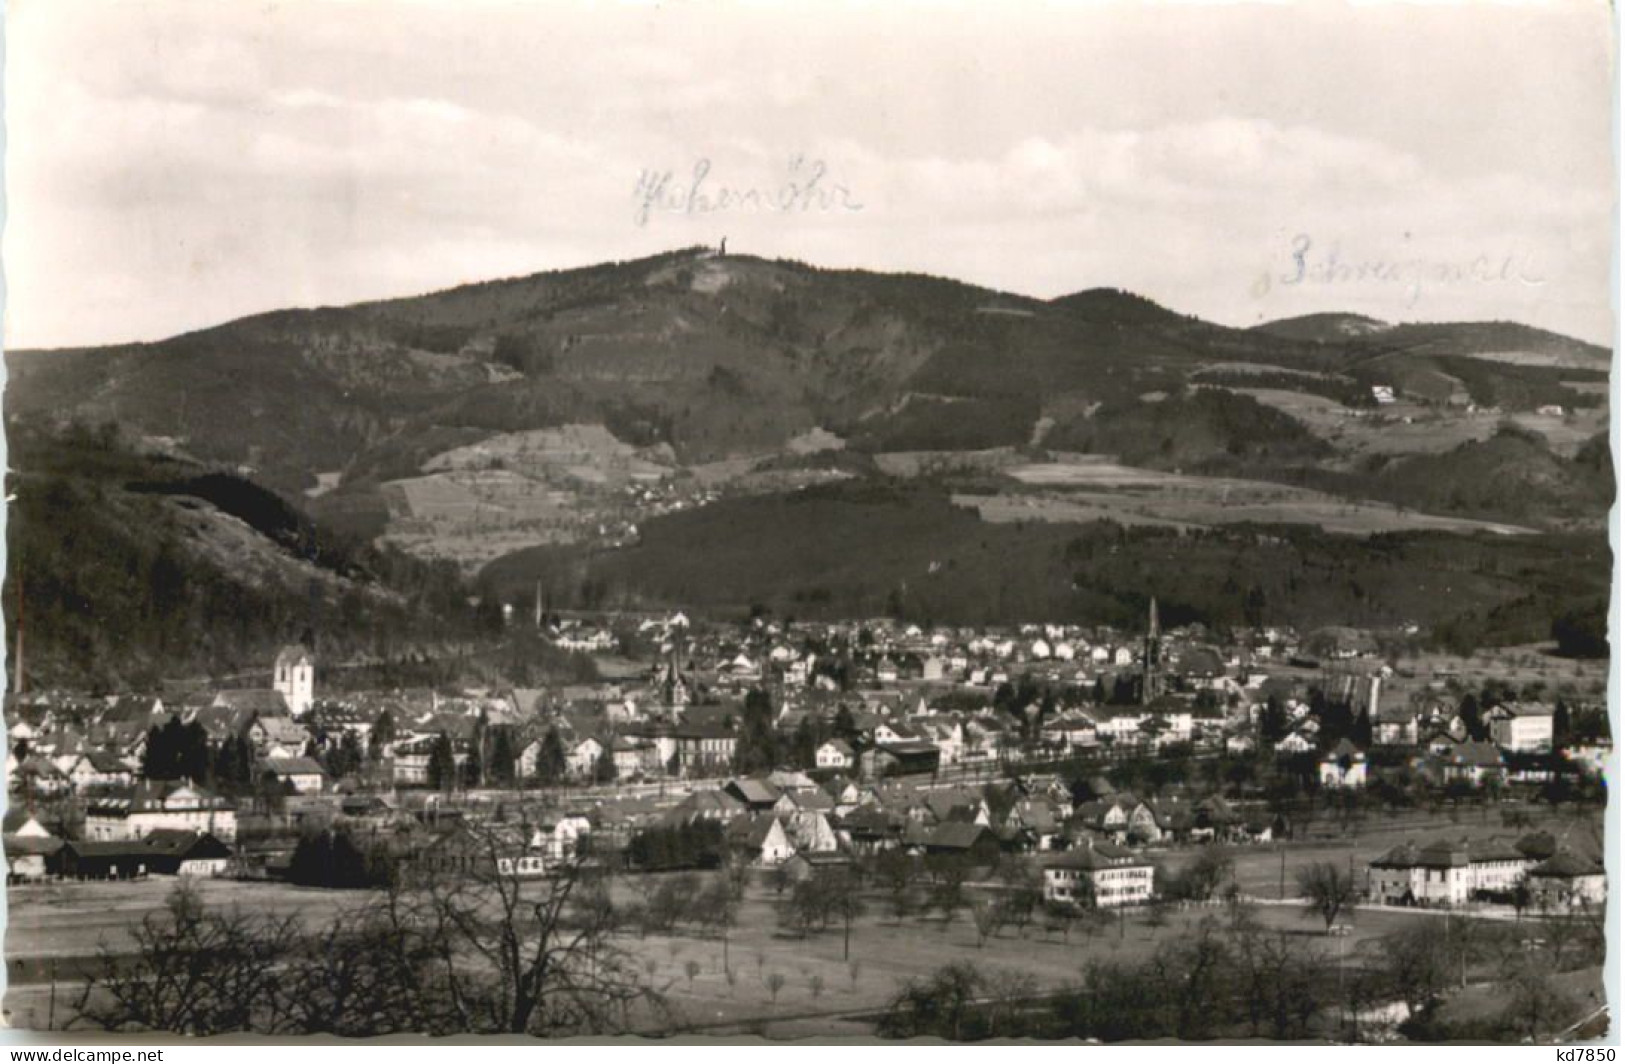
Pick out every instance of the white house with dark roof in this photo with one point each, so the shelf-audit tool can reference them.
(1099, 875)
(1565, 879)
(304, 774)
(1522, 727)
(1445, 873)
(836, 753)
(1343, 767)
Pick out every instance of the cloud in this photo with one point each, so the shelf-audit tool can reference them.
(261, 158)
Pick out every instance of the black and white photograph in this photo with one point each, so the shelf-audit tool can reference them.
(693, 521)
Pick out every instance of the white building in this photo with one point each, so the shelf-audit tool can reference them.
(1099, 875)
(1522, 727)
(1343, 767)
(1565, 879)
(1444, 873)
(152, 808)
(836, 753)
(294, 675)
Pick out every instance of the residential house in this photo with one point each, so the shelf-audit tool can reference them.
(974, 843)
(810, 831)
(1397, 725)
(760, 840)
(1343, 767)
(1034, 825)
(278, 737)
(836, 754)
(900, 759)
(157, 805)
(38, 775)
(562, 836)
(96, 770)
(1472, 762)
(1521, 727)
(582, 756)
(704, 749)
(1565, 879)
(304, 775)
(28, 860)
(1122, 818)
(28, 848)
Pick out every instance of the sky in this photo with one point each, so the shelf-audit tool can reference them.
(174, 165)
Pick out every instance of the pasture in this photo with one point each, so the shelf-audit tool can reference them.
(1085, 488)
(781, 984)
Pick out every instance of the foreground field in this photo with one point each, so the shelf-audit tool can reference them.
(55, 928)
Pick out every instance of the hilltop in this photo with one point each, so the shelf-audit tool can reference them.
(583, 413)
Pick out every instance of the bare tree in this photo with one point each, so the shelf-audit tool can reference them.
(989, 918)
(1326, 889)
(192, 972)
(1417, 964)
(775, 983)
(371, 971)
(718, 909)
(532, 956)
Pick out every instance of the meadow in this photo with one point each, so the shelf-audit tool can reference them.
(775, 982)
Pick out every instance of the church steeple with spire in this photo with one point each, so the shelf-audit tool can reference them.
(1151, 680)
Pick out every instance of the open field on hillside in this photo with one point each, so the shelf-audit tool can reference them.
(1566, 432)
(1091, 488)
(1398, 428)
(922, 463)
(1413, 428)
(1517, 665)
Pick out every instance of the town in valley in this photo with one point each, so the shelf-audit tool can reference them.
(817, 827)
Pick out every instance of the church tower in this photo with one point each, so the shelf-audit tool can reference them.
(675, 690)
(1151, 679)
